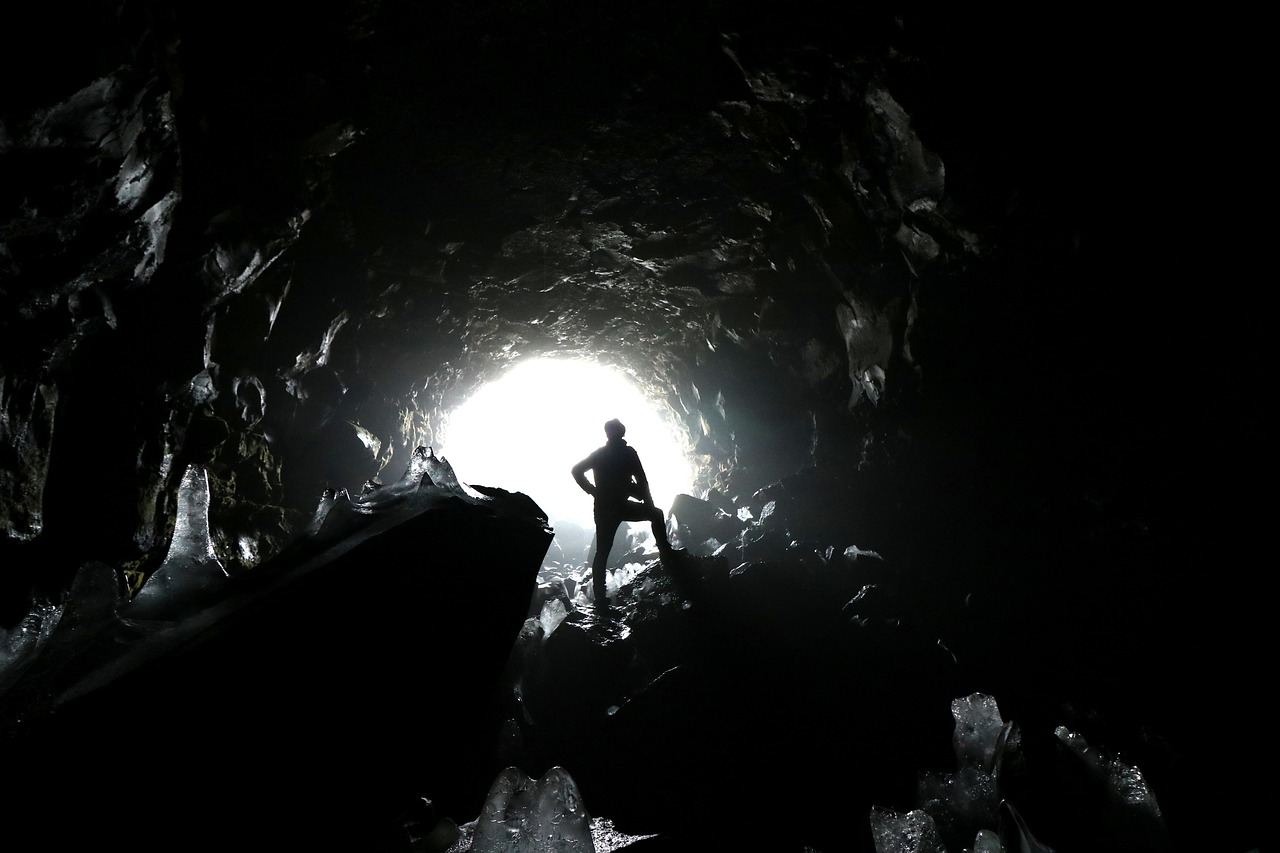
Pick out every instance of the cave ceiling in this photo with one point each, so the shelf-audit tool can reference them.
(236, 240)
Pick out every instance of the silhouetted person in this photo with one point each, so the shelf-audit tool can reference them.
(621, 492)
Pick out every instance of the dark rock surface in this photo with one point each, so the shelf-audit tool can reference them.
(307, 702)
(967, 291)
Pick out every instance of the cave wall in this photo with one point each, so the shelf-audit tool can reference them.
(924, 266)
(361, 217)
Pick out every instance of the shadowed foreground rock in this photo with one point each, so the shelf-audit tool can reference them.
(325, 691)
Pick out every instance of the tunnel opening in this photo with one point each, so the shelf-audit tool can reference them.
(523, 430)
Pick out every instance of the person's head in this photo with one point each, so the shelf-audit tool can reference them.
(614, 429)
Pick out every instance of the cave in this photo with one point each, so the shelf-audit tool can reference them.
(919, 303)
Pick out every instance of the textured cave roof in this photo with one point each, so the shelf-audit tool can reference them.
(898, 222)
(363, 215)
(980, 262)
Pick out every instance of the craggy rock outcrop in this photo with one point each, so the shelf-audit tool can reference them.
(306, 701)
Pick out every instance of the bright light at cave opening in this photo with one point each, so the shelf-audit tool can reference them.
(525, 430)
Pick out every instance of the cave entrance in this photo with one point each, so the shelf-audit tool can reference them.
(524, 430)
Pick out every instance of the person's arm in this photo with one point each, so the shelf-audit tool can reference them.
(580, 475)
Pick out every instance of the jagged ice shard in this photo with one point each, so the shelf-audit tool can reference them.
(913, 832)
(552, 614)
(1133, 813)
(22, 644)
(1124, 782)
(977, 733)
(987, 841)
(969, 798)
(965, 804)
(521, 815)
(191, 572)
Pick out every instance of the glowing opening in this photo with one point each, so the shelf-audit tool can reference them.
(525, 430)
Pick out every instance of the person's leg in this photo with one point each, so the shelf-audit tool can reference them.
(606, 529)
(657, 521)
(659, 524)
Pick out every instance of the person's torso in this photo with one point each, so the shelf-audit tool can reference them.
(613, 467)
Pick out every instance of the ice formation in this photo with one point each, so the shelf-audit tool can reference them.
(912, 832)
(977, 731)
(987, 841)
(1134, 810)
(965, 803)
(983, 744)
(553, 613)
(1125, 782)
(441, 473)
(191, 572)
(521, 815)
(22, 644)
